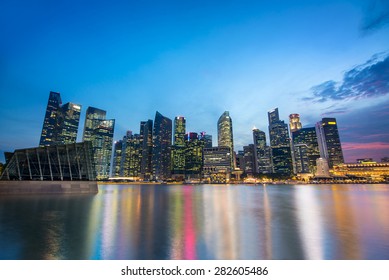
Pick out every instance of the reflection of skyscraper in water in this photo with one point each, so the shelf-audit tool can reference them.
(345, 232)
(311, 222)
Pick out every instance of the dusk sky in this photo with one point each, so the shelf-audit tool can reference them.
(198, 59)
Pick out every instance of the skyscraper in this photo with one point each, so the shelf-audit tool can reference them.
(117, 158)
(225, 134)
(162, 140)
(92, 119)
(249, 159)
(294, 122)
(179, 131)
(50, 121)
(207, 138)
(329, 141)
(60, 125)
(306, 150)
(100, 132)
(132, 155)
(280, 144)
(193, 155)
(178, 148)
(146, 133)
(68, 120)
(262, 153)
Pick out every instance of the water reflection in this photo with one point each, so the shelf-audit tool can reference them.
(200, 222)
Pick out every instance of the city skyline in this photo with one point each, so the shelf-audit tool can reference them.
(328, 59)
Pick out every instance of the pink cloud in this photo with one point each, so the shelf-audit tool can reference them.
(375, 150)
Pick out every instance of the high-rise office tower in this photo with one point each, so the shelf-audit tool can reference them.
(306, 150)
(249, 159)
(60, 125)
(179, 131)
(92, 119)
(194, 146)
(100, 132)
(178, 148)
(280, 144)
(207, 138)
(329, 141)
(162, 140)
(262, 155)
(50, 121)
(146, 133)
(131, 159)
(117, 158)
(294, 122)
(225, 134)
(68, 119)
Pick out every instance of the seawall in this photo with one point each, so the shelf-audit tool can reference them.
(48, 187)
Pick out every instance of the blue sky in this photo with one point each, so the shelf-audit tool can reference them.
(198, 59)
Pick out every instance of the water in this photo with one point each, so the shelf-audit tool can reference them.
(199, 222)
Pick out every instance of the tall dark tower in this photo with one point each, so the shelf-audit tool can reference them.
(50, 121)
(146, 133)
(329, 141)
(280, 144)
(162, 140)
(306, 150)
(262, 152)
(60, 125)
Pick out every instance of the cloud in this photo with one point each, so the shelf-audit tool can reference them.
(376, 16)
(365, 146)
(367, 80)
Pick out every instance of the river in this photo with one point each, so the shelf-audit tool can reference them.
(199, 222)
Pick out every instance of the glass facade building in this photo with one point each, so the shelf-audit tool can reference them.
(162, 141)
(146, 133)
(100, 132)
(329, 141)
(306, 150)
(68, 162)
(280, 144)
(225, 135)
(60, 125)
(262, 154)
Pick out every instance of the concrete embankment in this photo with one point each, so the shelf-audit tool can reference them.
(48, 187)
